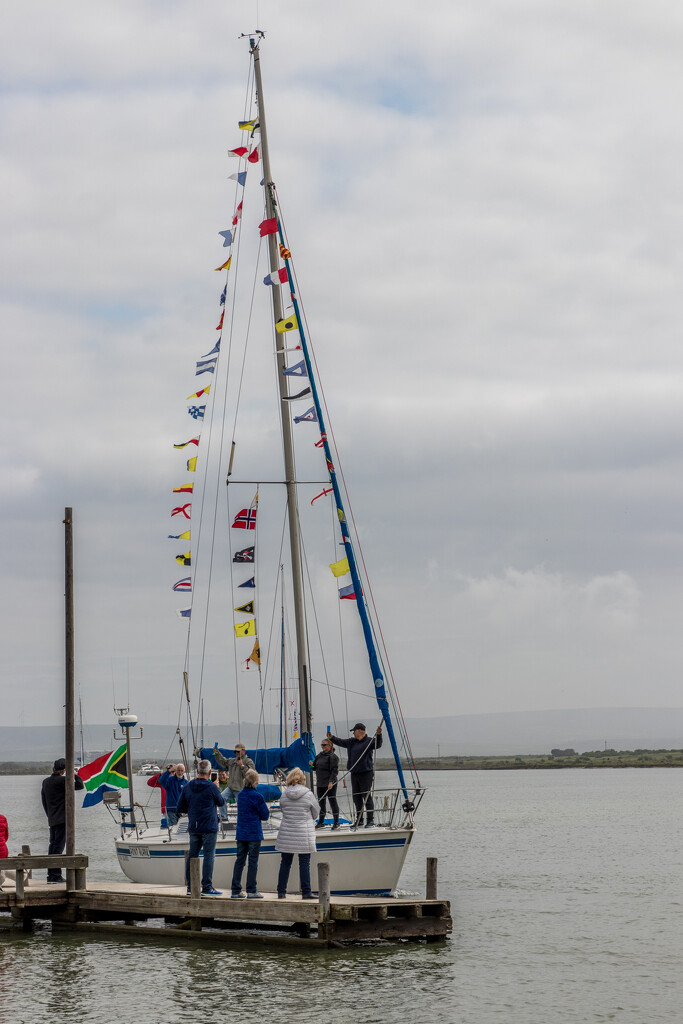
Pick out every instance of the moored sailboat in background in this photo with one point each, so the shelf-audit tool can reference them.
(361, 861)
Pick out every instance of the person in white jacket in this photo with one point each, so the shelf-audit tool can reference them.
(300, 811)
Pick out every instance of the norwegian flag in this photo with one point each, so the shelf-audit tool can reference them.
(245, 519)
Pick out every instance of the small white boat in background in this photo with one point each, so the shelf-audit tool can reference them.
(149, 769)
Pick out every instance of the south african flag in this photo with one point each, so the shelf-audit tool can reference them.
(106, 773)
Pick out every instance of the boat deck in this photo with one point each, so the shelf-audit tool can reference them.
(165, 911)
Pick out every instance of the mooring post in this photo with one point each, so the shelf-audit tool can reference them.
(195, 878)
(324, 891)
(69, 703)
(431, 877)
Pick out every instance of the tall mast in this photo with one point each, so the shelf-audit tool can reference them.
(287, 439)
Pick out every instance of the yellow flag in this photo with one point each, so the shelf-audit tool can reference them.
(198, 394)
(192, 465)
(226, 265)
(288, 324)
(183, 536)
(255, 655)
(183, 559)
(247, 628)
(340, 568)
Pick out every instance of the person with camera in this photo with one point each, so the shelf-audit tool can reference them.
(199, 800)
(173, 780)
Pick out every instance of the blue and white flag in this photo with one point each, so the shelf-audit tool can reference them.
(223, 295)
(307, 417)
(205, 367)
(184, 584)
(297, 370)
(216, 348)
(293, 398)
(240, 177)
(197, 411)
(184, 613)
(248, 583)
(227, 237)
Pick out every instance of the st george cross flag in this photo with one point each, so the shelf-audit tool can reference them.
(267, 227)
(247, 608)
(347, 593)
(307, 417)
(297, 370)
(184, 584)
(239, 152)
(277, 277)
(341, 567)
(247, 628)
(105, 774)
(248, 583)
(226, 235)
(246, 555)
(185, 489)
(182, 510)
(288, 324)
(193, 440)
(245, 519)
(197, 411)
(205, 366)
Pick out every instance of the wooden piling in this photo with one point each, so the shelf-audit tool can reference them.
(431, 878)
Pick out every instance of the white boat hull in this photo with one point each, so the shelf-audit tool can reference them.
(365, 861)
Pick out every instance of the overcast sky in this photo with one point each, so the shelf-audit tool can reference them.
(485, 205)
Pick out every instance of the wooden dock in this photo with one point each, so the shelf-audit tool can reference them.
(166, 911)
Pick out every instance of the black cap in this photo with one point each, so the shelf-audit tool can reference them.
(59, 765)
(358, 725)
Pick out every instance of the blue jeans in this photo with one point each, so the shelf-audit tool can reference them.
(205, 841)
(246, 848)
(229, 795)
(171, 816)
(304, 873)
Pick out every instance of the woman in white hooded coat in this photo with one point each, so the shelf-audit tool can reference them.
(300, 811)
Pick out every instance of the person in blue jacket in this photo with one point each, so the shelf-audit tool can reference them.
(173, 781)
(199, 800)
(251, 811)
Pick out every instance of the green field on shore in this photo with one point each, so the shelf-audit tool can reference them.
(559, 759)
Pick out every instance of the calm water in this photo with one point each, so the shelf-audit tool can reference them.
(566, 890)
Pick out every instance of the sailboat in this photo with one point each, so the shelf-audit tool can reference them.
(362, 860)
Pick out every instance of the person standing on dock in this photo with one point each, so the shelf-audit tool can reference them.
(53, 797)
(173, 780)
(361, 764)
(296, 833)
(252, 809)
(236, 767)
(199, 800)
(326, 768)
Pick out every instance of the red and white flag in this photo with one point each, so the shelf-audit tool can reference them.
(277, 277)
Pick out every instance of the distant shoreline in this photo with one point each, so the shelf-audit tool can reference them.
(519, 762)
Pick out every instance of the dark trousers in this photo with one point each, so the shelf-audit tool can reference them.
(323, 793)
(206, 842)
(171, 816)
(304, 873)
(246, 848)
(56, 845)
(361, 789)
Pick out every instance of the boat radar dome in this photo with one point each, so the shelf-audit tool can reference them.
(128, 721)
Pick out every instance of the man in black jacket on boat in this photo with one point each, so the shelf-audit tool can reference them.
(53, 797)
(360, 763)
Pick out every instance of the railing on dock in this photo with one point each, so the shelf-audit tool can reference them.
(24, 865)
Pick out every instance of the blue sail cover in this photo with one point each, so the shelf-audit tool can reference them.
(267, 759)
